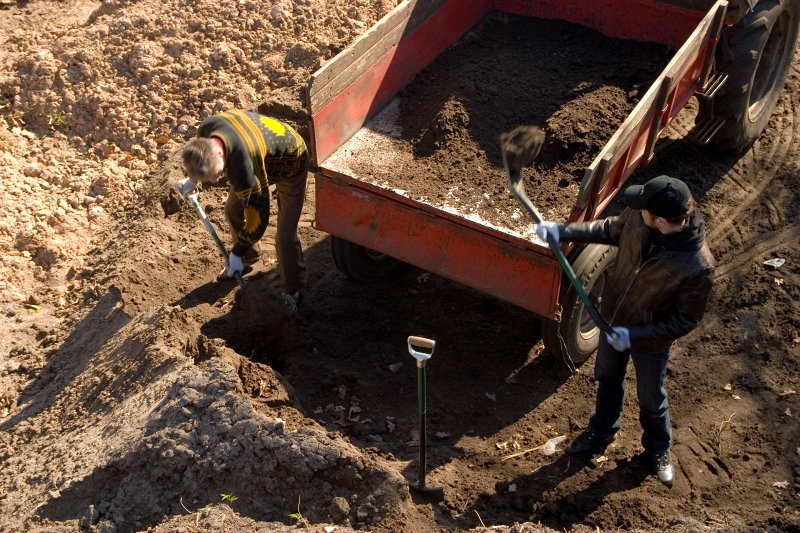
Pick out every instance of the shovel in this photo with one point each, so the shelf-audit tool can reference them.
(422, 357)
(186, 189)
(519, 147)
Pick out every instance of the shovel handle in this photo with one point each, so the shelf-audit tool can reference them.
(192, 199)
(421, 342)
(518, 190)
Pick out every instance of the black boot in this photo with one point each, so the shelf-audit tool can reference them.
(589, 443)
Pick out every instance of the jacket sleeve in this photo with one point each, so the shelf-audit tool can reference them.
(691, 300)
(603, 231)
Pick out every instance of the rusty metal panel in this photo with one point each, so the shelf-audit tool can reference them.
(341, 70)
(629, 147)
(345, 112)
(497, 264)
(641, 20)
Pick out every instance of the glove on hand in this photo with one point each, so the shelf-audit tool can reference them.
(186, 187)
(234, 265)
(544, 228)
(622, 341)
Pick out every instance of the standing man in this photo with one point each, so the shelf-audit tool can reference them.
(656, 292)
(255, 151)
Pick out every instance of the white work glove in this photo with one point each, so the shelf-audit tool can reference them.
(544, 228)
(234, 265)
(622, 341)
(186, 187)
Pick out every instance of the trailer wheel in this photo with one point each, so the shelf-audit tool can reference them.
(755, 53)
(361, 264)
(575, 337)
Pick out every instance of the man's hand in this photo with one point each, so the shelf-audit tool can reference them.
(622, 341)
(544, 228)
(234, 265)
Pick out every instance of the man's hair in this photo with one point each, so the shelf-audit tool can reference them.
(198, 158)
(681, 219)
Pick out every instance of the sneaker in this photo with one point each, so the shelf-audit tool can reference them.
(589, 443)
(664, 469)
(290, 302)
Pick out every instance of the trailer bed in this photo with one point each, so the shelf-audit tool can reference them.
(364, 194)
(437, 142)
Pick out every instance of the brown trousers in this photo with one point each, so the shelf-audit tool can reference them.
(291, 194)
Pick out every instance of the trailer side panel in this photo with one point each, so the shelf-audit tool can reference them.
(640, 20)
(339, 109)
(492, 263)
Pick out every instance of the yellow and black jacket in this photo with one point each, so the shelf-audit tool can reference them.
(259, 150)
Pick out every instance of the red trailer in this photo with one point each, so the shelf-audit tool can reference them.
(734, 58)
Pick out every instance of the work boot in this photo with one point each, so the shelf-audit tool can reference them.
(589, 443)
(664, 469)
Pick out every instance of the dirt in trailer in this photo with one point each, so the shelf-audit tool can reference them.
(139, 394)
(439, 141)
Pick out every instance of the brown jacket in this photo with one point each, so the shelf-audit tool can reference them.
(659, 285)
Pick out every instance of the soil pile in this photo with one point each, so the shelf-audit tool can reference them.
(444, 140)
(151, 390)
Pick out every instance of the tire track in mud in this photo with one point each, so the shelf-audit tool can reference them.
(765, 242)
(759, 173)
(754, 171)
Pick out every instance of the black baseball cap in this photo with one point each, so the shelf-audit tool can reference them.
(663, 196)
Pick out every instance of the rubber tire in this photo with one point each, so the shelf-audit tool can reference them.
(579, 333)
(755, 53)
(361, 264)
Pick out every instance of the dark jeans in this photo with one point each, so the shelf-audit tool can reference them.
(610, 370)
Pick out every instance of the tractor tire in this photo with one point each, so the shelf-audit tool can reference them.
(361, 264)
(575, 336)
(755, 53)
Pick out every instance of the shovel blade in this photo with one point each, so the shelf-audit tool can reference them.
(520, 146)
(436, 493)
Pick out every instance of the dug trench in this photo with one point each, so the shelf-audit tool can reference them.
(164, 396)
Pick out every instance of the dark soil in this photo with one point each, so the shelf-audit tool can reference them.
(152, 398)
(575, 83)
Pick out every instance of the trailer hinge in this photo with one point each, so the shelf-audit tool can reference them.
(714, 84)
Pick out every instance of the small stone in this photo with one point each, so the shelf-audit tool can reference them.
(339, 509)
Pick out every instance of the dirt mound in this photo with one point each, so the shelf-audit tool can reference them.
(449, 125)
(151, 390)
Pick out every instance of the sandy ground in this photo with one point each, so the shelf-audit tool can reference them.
(137, 394)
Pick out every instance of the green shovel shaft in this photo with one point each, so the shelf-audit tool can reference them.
(423, 412)
(516, 188)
